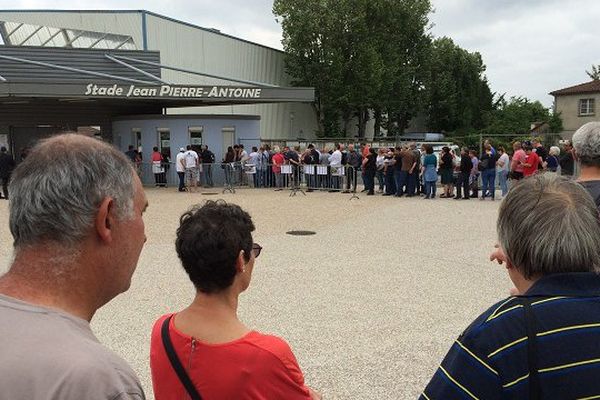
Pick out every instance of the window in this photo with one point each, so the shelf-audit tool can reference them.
(136, 138)
(586, 107)
(164, 141)
(195, 134)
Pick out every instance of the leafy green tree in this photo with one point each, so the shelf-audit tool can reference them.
(359, 55)
(459, 97)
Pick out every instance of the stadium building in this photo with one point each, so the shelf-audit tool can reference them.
(143, 79)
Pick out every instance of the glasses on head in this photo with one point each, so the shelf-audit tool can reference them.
(256, 249)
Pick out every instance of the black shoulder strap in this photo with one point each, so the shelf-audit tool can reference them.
(534, 379)
(175, 363)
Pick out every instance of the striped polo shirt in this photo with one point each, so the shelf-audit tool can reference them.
(490, 359)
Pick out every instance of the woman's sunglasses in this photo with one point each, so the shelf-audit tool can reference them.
(256, 249)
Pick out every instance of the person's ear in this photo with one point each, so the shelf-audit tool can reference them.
(105, 220)
(240, 262)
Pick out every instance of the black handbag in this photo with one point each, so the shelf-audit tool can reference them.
(175, 363)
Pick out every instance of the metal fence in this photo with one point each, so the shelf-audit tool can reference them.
(234, 176)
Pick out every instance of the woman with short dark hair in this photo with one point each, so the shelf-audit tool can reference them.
(447, 172)
(222, 358)
(429, 172)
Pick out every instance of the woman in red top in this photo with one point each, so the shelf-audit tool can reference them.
(157, 168)
(530, 166)
(223, 358)
(278, 161)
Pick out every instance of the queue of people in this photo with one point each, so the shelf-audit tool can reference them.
(540, 342)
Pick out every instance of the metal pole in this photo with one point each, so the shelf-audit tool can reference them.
(136, 69)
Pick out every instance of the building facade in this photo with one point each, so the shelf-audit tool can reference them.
(199, 56)
(577, 105)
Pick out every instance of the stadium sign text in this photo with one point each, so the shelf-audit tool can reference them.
(171, 91)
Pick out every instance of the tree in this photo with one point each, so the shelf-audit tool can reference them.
(459, 97)
(359, 55)
(594, 73)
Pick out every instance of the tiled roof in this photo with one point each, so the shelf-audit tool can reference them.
(588, 87)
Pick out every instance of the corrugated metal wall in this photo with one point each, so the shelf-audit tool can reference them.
(84, 59)
(189, 47)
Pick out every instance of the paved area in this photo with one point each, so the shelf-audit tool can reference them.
(369, 305)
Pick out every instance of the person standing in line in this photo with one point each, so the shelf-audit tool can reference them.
(157, 166)
(228, 165)
(180, 168)
(252, 164)
(466, 165)
(78, 230)
(474, 177)
(208, 159)
(430, 172)
(335, 163)
(540, 150)
(502, 170)
(7, 164)
(191, 168)
(278, 161)
(388, 171)
(369, 167)
(552, 161)
(379, 162)
(567, 161)
(530, 166)
(446, 171)
(518, 158)
(414, 178)
(487, 166)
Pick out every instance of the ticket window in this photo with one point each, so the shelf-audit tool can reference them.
(164, 142)
(195, 136)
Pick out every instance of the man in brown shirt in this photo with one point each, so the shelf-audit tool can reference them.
(78, 232)
(408, 164)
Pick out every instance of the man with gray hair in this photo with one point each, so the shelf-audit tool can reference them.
(586, 144)
(541, 342)
(78, 232)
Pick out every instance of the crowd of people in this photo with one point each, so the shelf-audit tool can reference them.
(78, 231)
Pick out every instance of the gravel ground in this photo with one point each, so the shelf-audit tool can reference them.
(369, 305)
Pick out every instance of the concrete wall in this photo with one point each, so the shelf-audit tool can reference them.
(247, 132)
(568, 106)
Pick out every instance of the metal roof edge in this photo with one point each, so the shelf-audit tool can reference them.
(147, 13)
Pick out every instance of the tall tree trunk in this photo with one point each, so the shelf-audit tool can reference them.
(377, 125)
(363, 118)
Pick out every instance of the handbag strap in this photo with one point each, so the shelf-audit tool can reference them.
(175, 363)
(534, 378)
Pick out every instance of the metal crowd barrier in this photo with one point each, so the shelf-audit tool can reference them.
(233, 176)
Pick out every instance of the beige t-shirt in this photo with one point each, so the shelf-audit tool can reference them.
(49, 355)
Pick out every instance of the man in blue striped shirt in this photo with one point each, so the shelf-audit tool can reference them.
(543, 343)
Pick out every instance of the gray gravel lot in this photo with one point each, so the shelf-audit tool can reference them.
(369, 305)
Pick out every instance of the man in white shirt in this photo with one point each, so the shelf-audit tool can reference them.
(180, 167)
(191, 162)
(335, 162)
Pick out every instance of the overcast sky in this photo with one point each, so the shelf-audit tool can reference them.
(530, 47)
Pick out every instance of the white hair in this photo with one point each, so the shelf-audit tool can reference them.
(554, 151)
(586, 142)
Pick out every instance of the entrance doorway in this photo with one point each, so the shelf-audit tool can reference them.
(23, 138)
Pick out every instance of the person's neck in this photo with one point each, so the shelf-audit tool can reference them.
(521, 283)
(588, 173)
(222, 306)
(41, 283)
